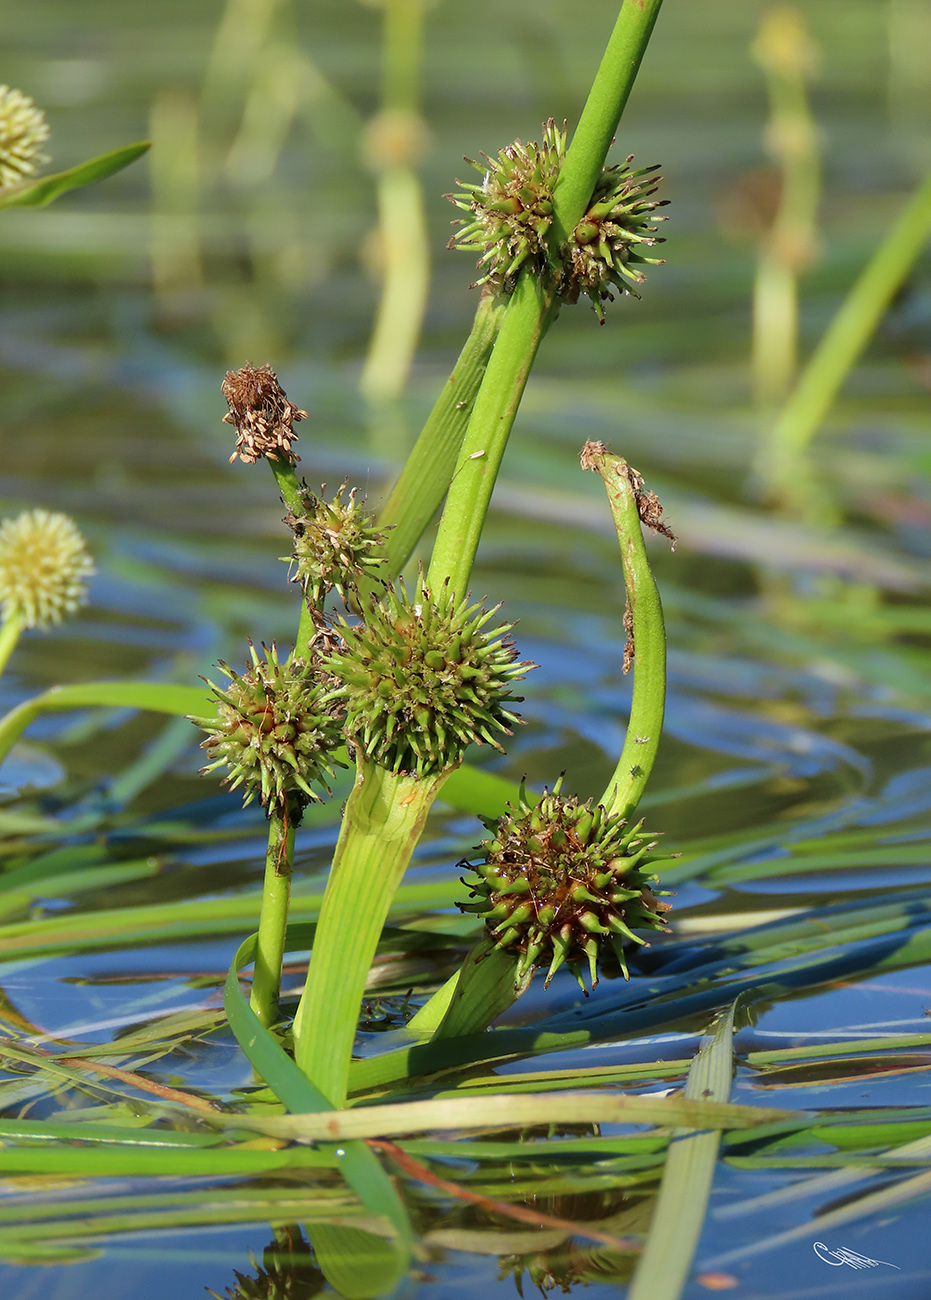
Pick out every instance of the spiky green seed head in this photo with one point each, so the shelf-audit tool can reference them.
(561, 880)
(23, 132)
(336, 544)
(275, 730)
(511, 209)
(608, 246)
(422, 681)
(43, 565)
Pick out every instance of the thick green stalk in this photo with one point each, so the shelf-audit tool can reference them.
(528, 316)
(842, 343)
(273, 918)
(11, 630)
(417, 494)
(647, 631)
(487, 986)
(785, 53)
(606, 101)
(383, 821)
(534, 304)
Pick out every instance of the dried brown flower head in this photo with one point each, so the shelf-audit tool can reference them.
(263, 416)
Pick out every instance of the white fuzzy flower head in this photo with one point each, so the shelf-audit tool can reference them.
(23, 132)
(43, 564)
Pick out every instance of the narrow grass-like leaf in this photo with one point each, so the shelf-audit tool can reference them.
(682, 1203)
(511, 1111)
(159, 697)
(37, 193)
(356, 1161)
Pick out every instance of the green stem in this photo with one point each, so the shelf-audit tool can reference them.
(485, 989)
(422, 484)
(288, 486)
(10, 631)
(290, 489)
(649, 638)
(405, 246)
(606, 101)
(533, 305)
(384, 818)
(273, 918)
(843, 341)
(528, 316)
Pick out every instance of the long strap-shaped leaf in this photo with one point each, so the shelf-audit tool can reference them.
(680, 1210)
(357, 1162)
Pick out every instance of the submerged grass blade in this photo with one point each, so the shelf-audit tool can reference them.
(511, 1112)
(682, 1203)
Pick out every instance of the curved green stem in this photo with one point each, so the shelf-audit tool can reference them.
(384, 818)
(422, 484)
(10, 631)
(646, 628)
(273, 918)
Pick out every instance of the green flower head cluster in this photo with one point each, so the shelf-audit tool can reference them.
(560, 880)
(511, 210)
(422, 681)
(336, 545)
(275, 729)
(608, 246)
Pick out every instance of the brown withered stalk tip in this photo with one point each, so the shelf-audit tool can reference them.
(261, 413)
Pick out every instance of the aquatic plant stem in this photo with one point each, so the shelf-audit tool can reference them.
(290, 489)
(273, 918)
(486, 987)
(10, 631)
(528, 316)
(384, 818)
(841, 345)
(606, 101)
(646, 629)
(422, 484)
(394, 145)
(533, 306)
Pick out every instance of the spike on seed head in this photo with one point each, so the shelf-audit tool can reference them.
(588, 883)
(43, 564)
(261, 413)
(23, 131)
